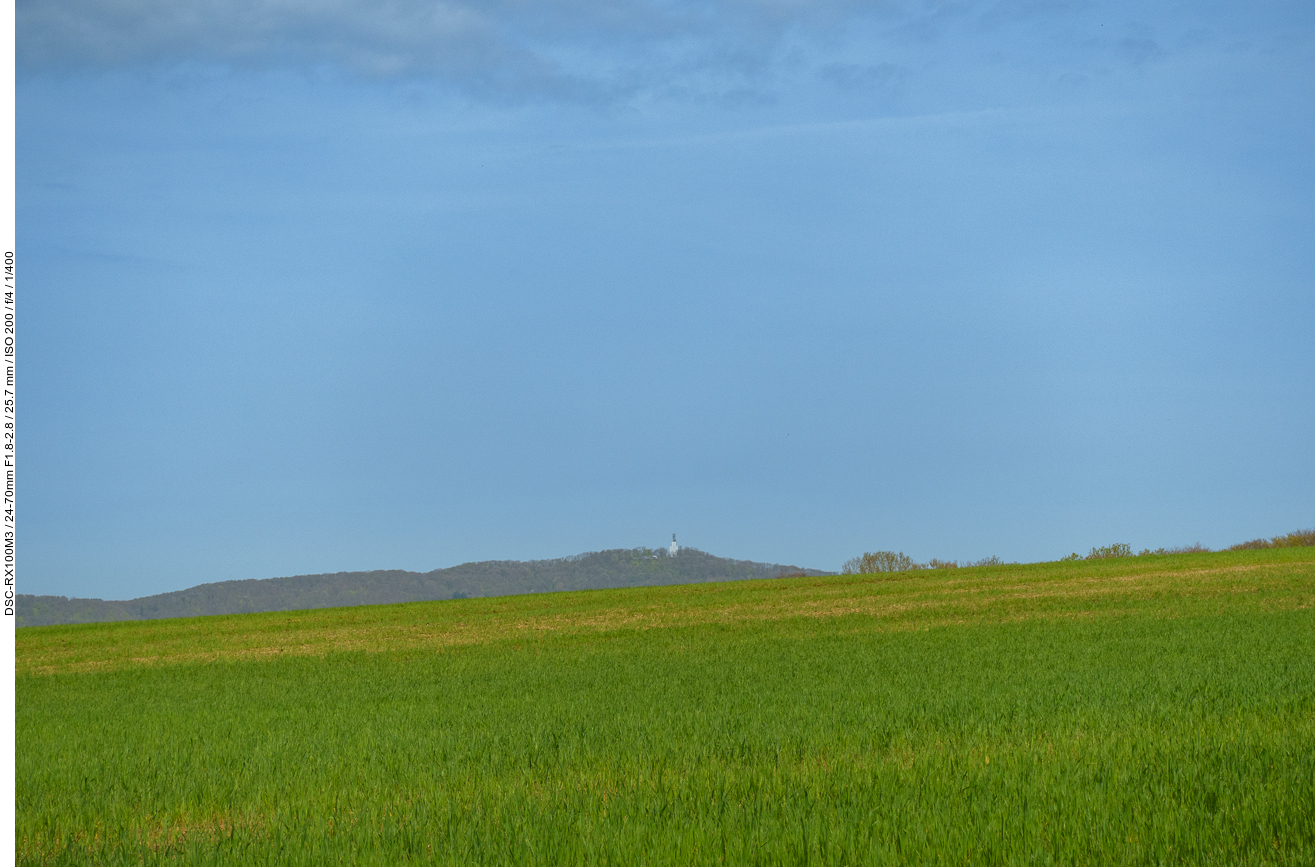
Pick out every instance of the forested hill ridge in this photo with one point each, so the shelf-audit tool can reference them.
(625, 567)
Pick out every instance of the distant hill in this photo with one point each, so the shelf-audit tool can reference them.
(636, 567)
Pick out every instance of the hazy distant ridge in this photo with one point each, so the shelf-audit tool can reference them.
(601, 569)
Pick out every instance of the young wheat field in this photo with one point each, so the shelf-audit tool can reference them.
(1145, 710)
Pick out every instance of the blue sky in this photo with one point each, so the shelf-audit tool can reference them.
(327, 286)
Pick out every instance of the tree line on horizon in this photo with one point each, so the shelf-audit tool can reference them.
(596, 570)
(873, 562)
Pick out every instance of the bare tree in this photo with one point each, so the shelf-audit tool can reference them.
(880, 561)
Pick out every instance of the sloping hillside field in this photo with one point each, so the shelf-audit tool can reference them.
(1130, 711)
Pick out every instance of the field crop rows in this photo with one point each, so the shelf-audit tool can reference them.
(1149, 710)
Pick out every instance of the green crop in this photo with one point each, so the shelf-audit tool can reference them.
(1152, 711)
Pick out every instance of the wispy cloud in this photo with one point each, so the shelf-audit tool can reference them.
(449, 40)
(513, 50)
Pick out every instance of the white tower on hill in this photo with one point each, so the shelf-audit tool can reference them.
(674, 547)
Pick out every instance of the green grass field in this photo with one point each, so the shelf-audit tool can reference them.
(1150, 710)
